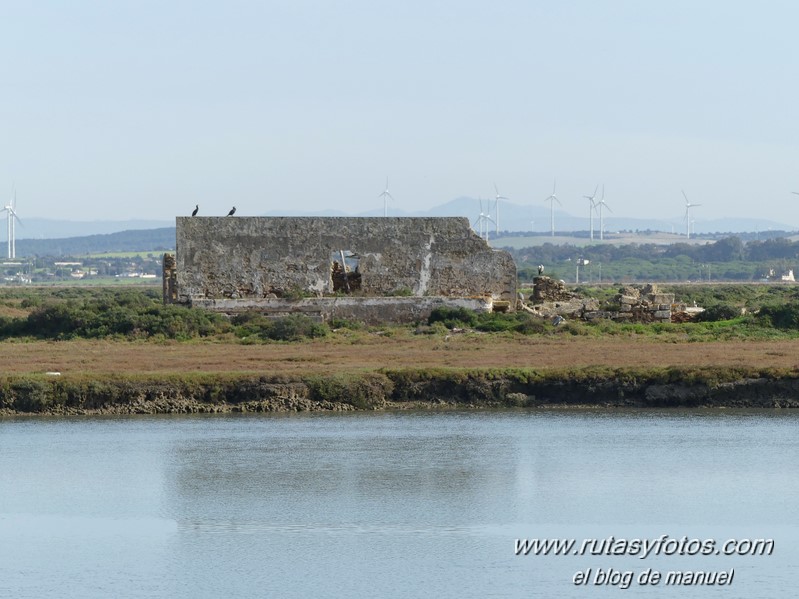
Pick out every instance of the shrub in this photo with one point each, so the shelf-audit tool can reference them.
(783, 316)
(718, 312)
(453, 317)
(496, 322)
(295, 327)
(343, 323)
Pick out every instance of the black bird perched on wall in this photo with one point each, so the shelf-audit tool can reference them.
(196, 210)
(232, 211)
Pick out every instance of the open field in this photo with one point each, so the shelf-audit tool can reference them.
(343, 353)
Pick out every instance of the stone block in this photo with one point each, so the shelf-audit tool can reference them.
(591, 304)
(599, 315)
(663, 298)
(663, 314)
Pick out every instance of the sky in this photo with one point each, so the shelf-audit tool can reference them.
(142, 109)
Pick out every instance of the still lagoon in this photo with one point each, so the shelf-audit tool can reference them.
(401, 504)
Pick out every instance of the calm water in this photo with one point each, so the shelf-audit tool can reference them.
(389, 504)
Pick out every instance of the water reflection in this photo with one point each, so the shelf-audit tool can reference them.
(395, 505)
(347, 470)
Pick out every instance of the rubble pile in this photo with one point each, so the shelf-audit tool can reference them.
(632, 303)
(547, 289)
(644, 304)
(551, 298)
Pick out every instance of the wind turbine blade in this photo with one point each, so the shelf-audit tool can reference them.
(685, 196)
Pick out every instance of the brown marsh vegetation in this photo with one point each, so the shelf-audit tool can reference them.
(371, 351)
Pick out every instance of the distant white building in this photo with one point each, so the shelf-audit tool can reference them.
(788, 276)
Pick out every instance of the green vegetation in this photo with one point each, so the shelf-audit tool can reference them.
(71, 313)
(395, 388)
(488, 322)
(727, 259)
(731, 312)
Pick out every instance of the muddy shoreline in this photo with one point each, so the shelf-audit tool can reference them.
(401, 389)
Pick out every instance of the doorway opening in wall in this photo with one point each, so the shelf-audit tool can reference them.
(344, 271)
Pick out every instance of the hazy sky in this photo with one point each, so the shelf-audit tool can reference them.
(136, 109)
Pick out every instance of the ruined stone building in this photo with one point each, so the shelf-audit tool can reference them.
(371, 269)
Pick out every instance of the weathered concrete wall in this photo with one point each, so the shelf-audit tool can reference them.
(267, 257)
(370, 310)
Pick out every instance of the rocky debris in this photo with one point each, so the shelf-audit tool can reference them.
(547, 289)
(644, 304)
(551, 298)
(633, 303)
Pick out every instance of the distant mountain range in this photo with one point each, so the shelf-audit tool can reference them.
(134, 240)
(142, 235)
(514, 217)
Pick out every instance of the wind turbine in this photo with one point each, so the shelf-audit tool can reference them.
(591, 208)
(688, 221)
(482, 221)
(552, 199)
(386, 197)
(12, 216)
(497, 199)
(602, 203)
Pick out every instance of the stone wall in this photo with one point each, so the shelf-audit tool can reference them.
(644, 304)
(370, 310)
(264, 258)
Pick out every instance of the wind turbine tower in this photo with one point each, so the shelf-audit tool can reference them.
(386, 197)
(601, 203)
(482, 221)
(497, 199)
(591, 208)
(688, 221)
(552, 199)
(11, 211)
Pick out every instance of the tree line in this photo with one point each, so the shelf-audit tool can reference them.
(728, 258)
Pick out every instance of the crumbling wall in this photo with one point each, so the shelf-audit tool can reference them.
(295, 257)
(644, 304)
(547, 289)
(169, 279)
(551, 298)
